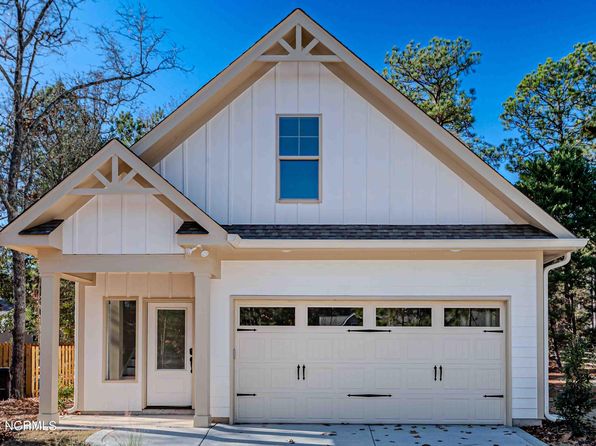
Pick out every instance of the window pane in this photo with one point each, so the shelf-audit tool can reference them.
(335, 316)
(309, 126)
(288, 146)
(457, 317)
(288, 126)
(309, 146)
(267, 316)
(121, 326)
(484, 317)
(404, 317)
(472, 317)
(298, 179)
(171, 338)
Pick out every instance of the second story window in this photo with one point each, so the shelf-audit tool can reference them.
(299, 158)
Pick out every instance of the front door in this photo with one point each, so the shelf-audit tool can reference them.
(169, 342)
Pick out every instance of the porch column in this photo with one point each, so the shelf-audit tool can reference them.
(79, 373)
(49, 347)
(201, 354)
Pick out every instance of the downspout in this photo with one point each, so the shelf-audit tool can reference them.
(549, 416)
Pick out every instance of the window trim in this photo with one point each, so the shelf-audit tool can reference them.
(279, 158)
(104, 375)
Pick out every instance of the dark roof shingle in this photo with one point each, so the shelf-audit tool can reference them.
(387, 232)
(43, 228)
(191, 227)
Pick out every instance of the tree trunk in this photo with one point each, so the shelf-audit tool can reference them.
(555, 345)
(17, 367)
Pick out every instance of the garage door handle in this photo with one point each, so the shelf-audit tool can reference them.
(369, 395)
(246, 394)
(298, 372)
(440, 373)
(493, 331)
(435, 373)
(493, 396)
(303, 372)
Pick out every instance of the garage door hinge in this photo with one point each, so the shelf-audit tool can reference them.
(493, 331)
(493, 396)
(369, 395)
(368, 330)
(246, 394)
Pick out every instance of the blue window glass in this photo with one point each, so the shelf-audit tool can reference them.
(298, 179)
(299, 138)
(288, 126)
(288, 146)
(309, 126)
(309, 146)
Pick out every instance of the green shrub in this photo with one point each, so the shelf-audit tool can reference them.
(575, 400)
(65, 397)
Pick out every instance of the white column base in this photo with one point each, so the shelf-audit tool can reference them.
(201, 421)
(48, 417)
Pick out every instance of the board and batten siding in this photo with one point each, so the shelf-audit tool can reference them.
(374, 279)
(372, 171)
(122, 224)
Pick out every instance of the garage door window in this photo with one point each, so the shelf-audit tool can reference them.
(472, 317)
(335, 316)
(268, 316)
(404, 317)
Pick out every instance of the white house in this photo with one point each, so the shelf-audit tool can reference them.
(297, 242)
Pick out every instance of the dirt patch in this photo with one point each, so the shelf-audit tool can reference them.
(558, 434)
(16, 410)
(21, 410)
(48, 438)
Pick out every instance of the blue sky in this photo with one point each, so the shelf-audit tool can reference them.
(513, 37)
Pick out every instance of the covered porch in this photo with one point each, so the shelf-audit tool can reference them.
(127, 357)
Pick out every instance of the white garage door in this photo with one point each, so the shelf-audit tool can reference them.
(363, 362)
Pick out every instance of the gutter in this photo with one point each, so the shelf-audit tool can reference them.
(549, 416)
(474, 244)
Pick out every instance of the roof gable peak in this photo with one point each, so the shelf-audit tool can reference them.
(114, 169)
(298, 37)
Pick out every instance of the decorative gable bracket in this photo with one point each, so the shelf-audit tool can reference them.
(298, 53)
(119, 183)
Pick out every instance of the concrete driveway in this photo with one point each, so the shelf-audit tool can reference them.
(165, 431)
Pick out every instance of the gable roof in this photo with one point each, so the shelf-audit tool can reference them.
(256, 61)
(44, 216)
